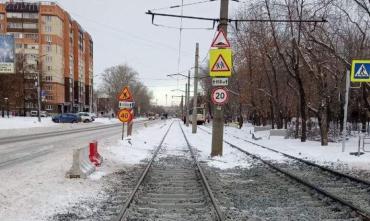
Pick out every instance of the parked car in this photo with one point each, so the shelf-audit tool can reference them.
(42, 113)
(66, 118)
(86, 117)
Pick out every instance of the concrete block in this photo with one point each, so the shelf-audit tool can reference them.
(81, 165)
(262, 128)
(278, 132)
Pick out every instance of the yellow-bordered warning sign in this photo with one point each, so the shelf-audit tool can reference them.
(360, 71)
(220, 62)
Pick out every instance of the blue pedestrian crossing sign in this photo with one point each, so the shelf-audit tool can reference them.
(360, 71)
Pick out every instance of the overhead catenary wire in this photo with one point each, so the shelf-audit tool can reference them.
(183, 5)
(132, 36)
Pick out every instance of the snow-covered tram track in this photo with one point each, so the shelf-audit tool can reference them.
(172, 185)
(349, 191)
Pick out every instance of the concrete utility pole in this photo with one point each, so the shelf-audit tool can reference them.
(188, 102)
(195, 110)
(218, 116)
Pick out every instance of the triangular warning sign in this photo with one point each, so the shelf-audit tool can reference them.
(125, 95)
(362, 72)
(220, 64)
(220, 41)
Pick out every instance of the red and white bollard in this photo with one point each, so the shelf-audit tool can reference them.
(94, 155)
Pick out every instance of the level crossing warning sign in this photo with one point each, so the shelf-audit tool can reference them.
(220, 62)
(360, 71)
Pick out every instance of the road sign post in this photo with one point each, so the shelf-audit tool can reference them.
(220, 66)
(345, 111)
(126, 114)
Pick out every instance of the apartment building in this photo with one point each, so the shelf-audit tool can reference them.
(49, 43)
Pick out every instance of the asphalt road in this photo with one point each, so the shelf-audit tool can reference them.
(14, 151)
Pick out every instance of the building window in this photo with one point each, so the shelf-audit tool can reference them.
(47, 28)
(49, 107)
(14, 25)
(2, 16)
(29, 25)
(48, 38)
(48, 48)
(48, 78)
(49, 59)
(49, 87)
(14, 15)
(49, 98)
(18, 45)
(48, 18)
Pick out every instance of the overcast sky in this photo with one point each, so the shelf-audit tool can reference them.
(123, 33)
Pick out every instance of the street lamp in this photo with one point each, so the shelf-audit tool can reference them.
(7, 106)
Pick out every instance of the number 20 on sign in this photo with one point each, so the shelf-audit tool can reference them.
(219, 96)
(125, 115)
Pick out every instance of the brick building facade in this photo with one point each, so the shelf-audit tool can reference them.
(49, 42)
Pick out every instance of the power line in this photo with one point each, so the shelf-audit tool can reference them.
(129, 34)
(183, 5)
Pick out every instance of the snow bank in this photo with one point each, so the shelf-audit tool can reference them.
(202, 142)
(325, 155)
(133, 149)
(24, 122)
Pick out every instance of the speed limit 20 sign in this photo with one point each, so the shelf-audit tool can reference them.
(219, 96)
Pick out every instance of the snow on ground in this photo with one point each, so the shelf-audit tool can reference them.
(37, 189)
(133, 149)
(202, 141)
(312, 150)
(24, 122)
(115, 120)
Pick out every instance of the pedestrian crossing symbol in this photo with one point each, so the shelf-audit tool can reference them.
(220, 62)
(360, 71)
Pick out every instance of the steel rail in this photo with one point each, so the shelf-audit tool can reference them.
(123, 211)
(337, 173)
(204, 179)
(27, 137)
(364, 214)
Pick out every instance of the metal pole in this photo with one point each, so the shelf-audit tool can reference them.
(345, 111)
(123, 130)
(39, 91)
(218, 118)
(195, 110)
(188, 102)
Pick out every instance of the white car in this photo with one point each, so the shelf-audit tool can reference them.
(86, 117)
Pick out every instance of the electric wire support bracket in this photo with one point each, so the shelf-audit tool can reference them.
(236, 21)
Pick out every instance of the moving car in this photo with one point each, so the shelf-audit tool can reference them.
(86, 117)
(66, 118)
